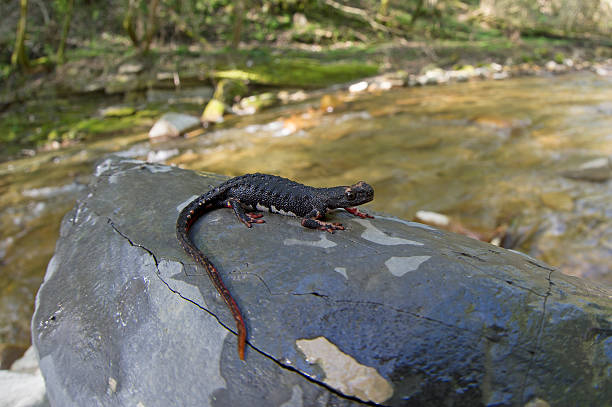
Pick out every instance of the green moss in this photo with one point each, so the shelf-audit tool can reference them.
(100, 125)
(306, 73)
(147, 113)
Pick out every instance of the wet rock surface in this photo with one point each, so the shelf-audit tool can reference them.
(421, 316)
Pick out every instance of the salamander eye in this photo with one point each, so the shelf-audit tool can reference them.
(350, 195)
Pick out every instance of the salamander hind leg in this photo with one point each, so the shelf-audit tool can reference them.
(245, 217)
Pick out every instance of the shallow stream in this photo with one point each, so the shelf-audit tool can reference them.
(487, 154)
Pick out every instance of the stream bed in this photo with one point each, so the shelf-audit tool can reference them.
(488, 154)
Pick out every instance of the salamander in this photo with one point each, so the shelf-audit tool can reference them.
(248, 193)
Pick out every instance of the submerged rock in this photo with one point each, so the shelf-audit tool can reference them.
(597, 170)
(388, 311)
(557, 200)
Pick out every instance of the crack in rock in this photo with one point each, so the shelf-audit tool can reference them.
(539, 335)
(150, 252)
(313, 293)
(261, 352)
(509, 282)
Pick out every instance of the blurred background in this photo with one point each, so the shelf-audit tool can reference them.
(490, 118)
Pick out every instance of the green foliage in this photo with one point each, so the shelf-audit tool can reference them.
(5, 70)
(559, 57)
(183, 50)
(60, 6)
(183, 22)
(541, 53)
(457, 32)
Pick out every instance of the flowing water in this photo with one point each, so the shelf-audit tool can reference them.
(487, 154)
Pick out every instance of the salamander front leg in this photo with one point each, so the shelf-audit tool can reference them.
(357, 212)
(245, 217)
(318, 224)
(313, 221)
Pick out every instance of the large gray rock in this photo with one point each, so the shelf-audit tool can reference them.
(387, 311)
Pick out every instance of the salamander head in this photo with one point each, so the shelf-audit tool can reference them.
(349, 196)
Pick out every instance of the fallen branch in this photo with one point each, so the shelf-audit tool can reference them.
(357, 12)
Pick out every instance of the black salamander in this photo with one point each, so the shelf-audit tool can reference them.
(275, 194)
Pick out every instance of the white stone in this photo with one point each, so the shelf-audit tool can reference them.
(433, 217)
(173, 125)
(23, 385)
(22, 389)
(358, 87)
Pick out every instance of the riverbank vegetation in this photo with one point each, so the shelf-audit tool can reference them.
(47, 34)
(42, 32)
